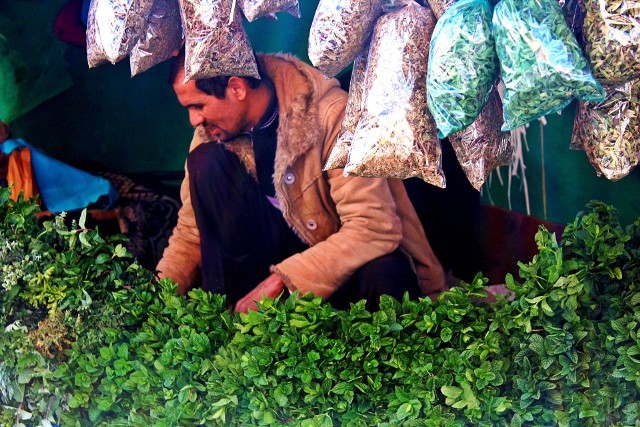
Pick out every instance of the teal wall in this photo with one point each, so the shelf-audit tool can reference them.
(135, 124)
(560, 181)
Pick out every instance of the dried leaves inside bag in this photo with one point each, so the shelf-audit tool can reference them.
(254, 9)
(162, 38)
(541, 63)
(396, 137)
(340, 152)
(463, 66)
(339, 31)
(611, 33)
(215, 45)
(609, 131)
(482, 147)
(439, 7)
(114, 27)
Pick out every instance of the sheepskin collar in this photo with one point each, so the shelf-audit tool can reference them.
(298, 88)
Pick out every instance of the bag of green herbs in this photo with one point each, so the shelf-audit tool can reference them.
(482, 147)
(611, 34)
(338, 32)
(396, 137)
(340, 152)
(215, 41)
(161, 40)
(254, 9)
(114, 27)
(463, 66)
(541, 63)
(609, 131)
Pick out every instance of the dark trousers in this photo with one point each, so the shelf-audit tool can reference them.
(242, 234)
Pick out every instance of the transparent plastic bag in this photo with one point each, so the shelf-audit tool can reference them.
(338, 32)
(215, 41)
(396, 137)
(254, 9)
(352, 113)
(463, 65)
(609, 131)
(541, 63)
(482, 146)
(162, 38)
(114, 27)
(611, 33)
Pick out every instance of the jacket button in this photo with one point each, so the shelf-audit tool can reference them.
(311, 224)
(289, 178)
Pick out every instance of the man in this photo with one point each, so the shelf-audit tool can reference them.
(259, 215)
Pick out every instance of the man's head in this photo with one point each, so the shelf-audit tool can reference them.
(225, 106)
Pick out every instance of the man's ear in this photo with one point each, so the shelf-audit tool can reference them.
(237, 87)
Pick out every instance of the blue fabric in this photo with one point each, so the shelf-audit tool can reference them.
(63, 187)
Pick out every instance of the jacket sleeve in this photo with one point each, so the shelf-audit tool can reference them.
(181, 259)
(369, 227)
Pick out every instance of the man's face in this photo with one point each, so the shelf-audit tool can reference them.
(223, 119)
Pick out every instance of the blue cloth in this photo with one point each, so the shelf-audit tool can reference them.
(63, 187)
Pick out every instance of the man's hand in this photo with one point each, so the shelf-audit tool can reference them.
(270, 287)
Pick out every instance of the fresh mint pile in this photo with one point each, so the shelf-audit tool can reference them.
(88, 337)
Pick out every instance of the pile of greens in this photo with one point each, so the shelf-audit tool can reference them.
(88, 337)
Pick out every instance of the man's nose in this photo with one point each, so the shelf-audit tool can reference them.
(195, 118)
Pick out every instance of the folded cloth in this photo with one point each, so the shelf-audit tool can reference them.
(63, 187)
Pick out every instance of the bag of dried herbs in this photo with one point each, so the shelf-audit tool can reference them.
(352, 113)
(162, 38)
(254, 9)
(215, 41)
(541, 63)
(396, 137)
(463, 66)
(114, 27)
(482, 146)
(338, 32)
(611, 35)
(609, 131)
(439, 7)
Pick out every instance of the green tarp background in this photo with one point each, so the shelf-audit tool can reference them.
(135, 125)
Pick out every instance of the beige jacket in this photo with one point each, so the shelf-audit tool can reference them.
(347, 221)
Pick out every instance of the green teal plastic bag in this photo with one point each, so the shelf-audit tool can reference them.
(541, 63)
(463, 65)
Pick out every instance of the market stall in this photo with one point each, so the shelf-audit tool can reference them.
(451, 96)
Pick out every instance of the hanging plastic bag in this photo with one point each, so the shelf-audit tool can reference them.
(482, 147)
(162, 38)
(352, 113)
(396, 137)
(254, 9)
(463, 65)
(215, 41)
(541, 63)
(338, 32)
(114, 27)
(609, 131)
(611, 34)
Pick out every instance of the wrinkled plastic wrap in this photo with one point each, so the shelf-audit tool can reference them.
(114, 27)
(463, 65)
(611, 35)
(541, 63)
(396, 137)
(338, 32)
(162, 38)
(609, 131)
(254, 9)
(215, 45)
(352, 113)
(482, 147)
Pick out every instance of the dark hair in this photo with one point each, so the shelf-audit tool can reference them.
(215, 86)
